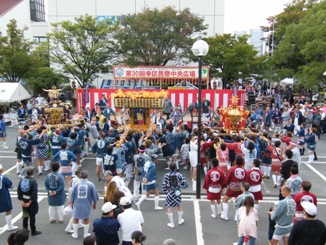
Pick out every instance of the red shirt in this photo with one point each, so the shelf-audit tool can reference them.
(304, 196)
(254, 176)
(214, 180)
(235, 146)
(235, 177)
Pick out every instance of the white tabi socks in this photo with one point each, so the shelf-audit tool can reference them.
(40, 170)
(86, 229)
(310, 159)
(69, 226)
(218, 208)
(263, 170)
(136, 189)
(180, 219)
(278, 180)
(213, 215)
(5, 147)
(143, 198)
(268, 171)
(225, 211)
(274, 180)
(156, 201)
(75, 229)
(47, 165)
(18, 167)
(9, 223)
(74, 167)
(171, 224)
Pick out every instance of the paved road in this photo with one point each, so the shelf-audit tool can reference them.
(199, 227)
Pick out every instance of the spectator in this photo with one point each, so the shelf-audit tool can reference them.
(169, 241)
(310, 230)
(137, 238)
(19, 237)
(106, 228)
(130, 220)
(90, 240)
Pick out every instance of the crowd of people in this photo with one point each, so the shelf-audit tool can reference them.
(270, 146)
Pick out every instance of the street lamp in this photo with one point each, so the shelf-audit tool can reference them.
(199, 48)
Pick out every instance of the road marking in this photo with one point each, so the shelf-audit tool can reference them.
(19, 216)
(6, 157)
(316, 171)
(8, 170)
(199, 227)
(265, 187)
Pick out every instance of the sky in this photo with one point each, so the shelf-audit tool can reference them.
(243, 15)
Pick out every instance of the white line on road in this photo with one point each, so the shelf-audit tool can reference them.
(8, 170)
(6, 157)
(199, 227)
(14, 220)
(316, 171)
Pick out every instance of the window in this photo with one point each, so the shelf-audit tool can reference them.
(37, 10)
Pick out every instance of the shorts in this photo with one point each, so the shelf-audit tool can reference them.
(150, 187)
(99, 161)
(258, 195)
(276, 165)
(312, 148)
(230, 193)
(280, 237)
(66, 174)
(3, 135)
(213, 196)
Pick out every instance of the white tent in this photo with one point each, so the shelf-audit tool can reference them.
(287, 81)
(10, 92)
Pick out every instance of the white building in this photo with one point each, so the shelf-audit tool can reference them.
(38, 15)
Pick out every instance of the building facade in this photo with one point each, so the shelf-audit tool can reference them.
(38, 15)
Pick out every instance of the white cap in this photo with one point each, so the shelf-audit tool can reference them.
(108, 207)
(309, 207)
(124, 201)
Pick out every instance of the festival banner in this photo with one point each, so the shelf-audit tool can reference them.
(159, 72)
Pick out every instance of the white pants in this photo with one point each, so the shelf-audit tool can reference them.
(128, 171)
(59, 210)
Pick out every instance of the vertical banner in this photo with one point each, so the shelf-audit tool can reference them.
(86, 93)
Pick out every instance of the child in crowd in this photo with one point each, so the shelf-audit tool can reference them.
(184, 153)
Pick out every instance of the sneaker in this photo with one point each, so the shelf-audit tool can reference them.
(185, 167)
(20, 176)
(40, 173)
(223, 216)
(46, 170)
(167, 168)
(138, 205)
(13, 228)
(69, 231)
(180, 222)
(53, 221)
(213, 216)
(88, 234)
(158, 208)
(171, 225)
(36, 233)
(73, 236)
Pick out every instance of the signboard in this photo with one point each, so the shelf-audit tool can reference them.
(158, 72)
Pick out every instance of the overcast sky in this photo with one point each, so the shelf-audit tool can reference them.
(250, 14)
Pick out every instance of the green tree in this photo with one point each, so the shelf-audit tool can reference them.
(16, 60)
(302, 49)
(231, 58)
(83, 48)
(155, 37)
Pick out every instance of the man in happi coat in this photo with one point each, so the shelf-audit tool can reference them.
(84, 198)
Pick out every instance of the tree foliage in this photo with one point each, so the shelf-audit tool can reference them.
(155, 37)
(231, 58)
(16, 60)
(82, 48)
(302, 49)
